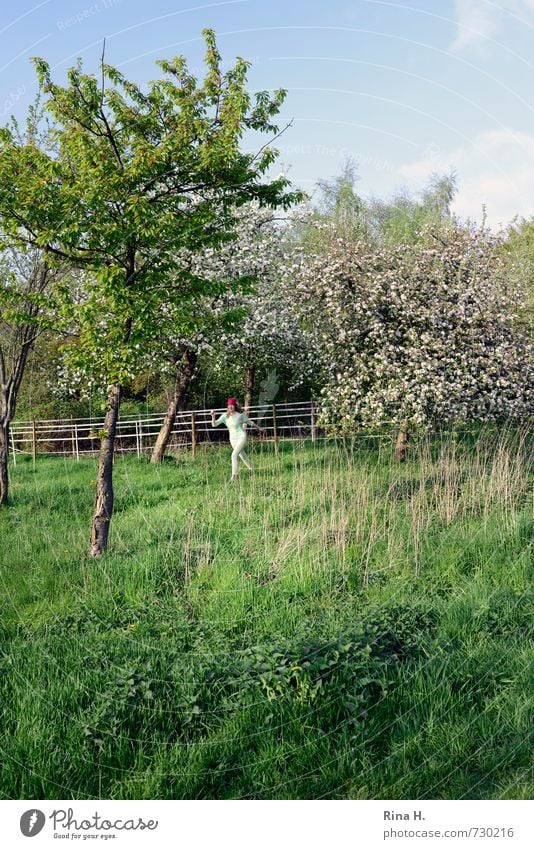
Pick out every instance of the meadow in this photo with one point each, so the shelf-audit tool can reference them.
(333, 625)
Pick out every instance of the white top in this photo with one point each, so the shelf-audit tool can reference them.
(234, 423)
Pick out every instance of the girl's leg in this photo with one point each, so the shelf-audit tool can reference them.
(245, 459)
(235, 455)
(239, 452)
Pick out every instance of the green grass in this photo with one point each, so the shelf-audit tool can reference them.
(334, 625)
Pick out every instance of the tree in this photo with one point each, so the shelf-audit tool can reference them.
(177, 355)
(399, 220)
(229, 267)
(340, 204)
(137, 176)
(337, 208)
(266, 333)
(248, 327)
(184, 367)
(25, 281)
(26, 277)
(268, 336)
(341, 211)
(418, 335)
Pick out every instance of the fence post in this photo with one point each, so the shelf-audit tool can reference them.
(193, 435)
(13, 448)
(34, 442)
(72, 438)
(137, 443)
(313, 425)
(140, 436)
(275, 432)
(76, 442)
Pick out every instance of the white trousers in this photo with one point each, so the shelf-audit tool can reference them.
(238, 445)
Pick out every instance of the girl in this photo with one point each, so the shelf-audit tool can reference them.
(234, 419)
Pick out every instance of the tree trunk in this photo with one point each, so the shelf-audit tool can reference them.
(103, 509)
(250, 376)
(4, 459)
(177, 402)
(401, 445)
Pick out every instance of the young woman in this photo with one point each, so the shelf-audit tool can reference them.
(234, 419)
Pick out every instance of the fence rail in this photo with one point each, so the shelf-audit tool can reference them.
(77, 437)
(137, 434)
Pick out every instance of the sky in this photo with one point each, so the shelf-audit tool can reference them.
(404, 89)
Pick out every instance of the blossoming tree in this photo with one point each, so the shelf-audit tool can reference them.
(249, 327)
(417, 335)
(265, 333)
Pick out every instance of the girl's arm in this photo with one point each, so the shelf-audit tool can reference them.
(219, 421)
(250, 422)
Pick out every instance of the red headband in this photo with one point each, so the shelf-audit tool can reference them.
(231, 401)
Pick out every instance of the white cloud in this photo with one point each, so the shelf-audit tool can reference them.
(479, 20)
(475, 21)
(497, 170)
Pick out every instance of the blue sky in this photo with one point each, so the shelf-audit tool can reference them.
(405, 89)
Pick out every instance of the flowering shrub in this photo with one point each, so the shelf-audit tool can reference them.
(418, 334)
(257, 324)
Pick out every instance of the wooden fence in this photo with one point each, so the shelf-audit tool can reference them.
(77, 437)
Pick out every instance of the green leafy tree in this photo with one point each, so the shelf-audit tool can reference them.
(337, 208)
(340, 203)
(400, 220)
(136, 176)
(340, 212)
